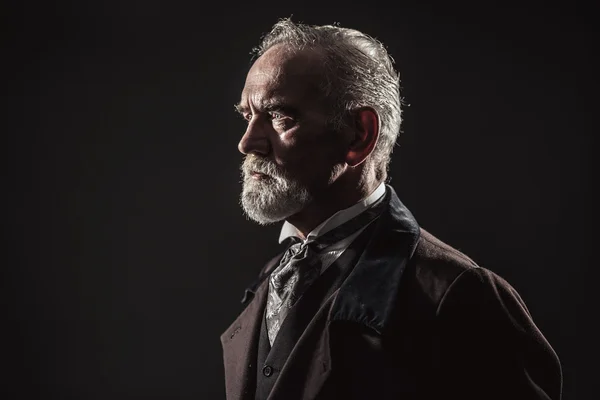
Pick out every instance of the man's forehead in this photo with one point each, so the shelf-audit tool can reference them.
(281, 75)
(264, 96)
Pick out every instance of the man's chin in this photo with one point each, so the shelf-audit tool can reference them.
(263, 218)
(266, 214)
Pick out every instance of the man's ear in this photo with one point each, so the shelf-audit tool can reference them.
(365, 127)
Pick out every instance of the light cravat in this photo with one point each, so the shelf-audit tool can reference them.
(300, 266)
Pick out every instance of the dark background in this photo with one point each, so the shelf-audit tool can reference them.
(127, 251)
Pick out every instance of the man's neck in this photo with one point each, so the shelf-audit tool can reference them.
(332, 201)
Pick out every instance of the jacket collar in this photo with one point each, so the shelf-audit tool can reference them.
(366, 297)
(368, 294)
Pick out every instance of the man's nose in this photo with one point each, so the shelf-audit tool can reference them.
(255, 140)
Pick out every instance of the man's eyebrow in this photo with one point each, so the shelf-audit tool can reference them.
(280, 105)
(240, 108)
(273, 104)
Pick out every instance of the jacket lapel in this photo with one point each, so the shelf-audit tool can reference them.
(368, 295)
(365, 297)
(239, 347)
(310, 356)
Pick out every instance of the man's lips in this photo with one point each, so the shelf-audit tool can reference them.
(258, 175)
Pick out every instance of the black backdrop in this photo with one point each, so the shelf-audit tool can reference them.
(128, 251)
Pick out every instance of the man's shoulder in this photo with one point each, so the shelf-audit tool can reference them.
(435, 265)
(432, 252)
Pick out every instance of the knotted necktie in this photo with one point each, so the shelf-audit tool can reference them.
(300, 266)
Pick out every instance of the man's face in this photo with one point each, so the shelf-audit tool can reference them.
(291, 153)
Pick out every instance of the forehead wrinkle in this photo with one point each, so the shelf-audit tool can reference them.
(280, 77)
(260, 80)
(263, 97)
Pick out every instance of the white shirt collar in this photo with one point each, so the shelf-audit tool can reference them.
(288, 230)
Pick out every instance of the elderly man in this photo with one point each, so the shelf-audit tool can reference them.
(363, 303)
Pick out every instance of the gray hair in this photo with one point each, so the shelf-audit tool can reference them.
(359, 72)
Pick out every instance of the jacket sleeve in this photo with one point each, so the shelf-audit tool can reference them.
(488, 345)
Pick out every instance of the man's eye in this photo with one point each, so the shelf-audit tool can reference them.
(247, 117)
(276, 115)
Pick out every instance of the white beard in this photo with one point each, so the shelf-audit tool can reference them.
(272, 198)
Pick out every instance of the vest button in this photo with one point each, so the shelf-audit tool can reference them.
(267, 370)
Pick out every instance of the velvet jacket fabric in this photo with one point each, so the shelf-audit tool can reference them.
(409, 318)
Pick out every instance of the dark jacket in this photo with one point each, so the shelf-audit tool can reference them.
(413, 319)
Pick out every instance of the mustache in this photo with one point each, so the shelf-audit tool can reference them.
(262, 165)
